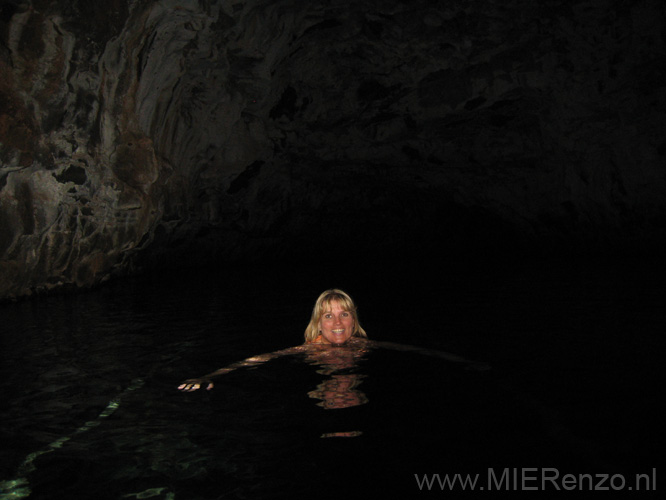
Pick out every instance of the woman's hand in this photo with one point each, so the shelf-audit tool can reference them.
(193, 384)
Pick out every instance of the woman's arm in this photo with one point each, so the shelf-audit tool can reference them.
(193, 384)
(472, 365)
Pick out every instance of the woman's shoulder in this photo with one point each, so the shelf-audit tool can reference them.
(355, 341)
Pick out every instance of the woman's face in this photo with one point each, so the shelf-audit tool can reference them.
(336, 325)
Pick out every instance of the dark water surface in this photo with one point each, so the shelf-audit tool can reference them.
(89, 408)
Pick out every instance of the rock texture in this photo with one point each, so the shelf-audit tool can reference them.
(140, 133)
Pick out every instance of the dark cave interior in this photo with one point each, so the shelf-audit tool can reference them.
(144, 134)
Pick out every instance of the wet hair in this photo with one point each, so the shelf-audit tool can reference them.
(323, 305)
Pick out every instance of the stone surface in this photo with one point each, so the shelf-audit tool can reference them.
(145, 133)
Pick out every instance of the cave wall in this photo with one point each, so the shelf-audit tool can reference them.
(144, 133)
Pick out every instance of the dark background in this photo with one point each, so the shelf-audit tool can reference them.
(193, 134)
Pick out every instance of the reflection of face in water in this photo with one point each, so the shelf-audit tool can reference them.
(340, 389)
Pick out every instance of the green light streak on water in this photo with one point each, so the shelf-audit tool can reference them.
(19, 487)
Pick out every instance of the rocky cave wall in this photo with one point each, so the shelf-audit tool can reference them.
(144, 132)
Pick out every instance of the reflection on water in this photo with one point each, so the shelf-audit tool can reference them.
(573, 366)
(340, 388)
(339, 391)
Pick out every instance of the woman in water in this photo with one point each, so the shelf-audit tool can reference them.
(334, 340)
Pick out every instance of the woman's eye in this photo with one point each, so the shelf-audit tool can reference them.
(327, 316)
(345, 315)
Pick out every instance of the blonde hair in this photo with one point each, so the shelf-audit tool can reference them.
(323, 305)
